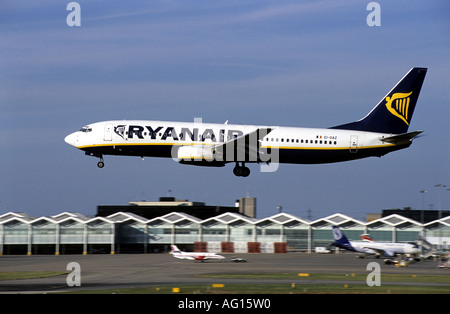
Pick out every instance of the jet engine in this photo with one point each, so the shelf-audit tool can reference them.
(200, 155)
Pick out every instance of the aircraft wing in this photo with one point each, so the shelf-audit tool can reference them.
(401, 138)
(381, 251)
(245, 147)
(183, 256)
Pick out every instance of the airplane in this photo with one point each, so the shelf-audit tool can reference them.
(389, 249)
(366, 237)
(383, 130)
(194, 256)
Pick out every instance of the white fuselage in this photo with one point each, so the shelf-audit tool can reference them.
(197, 256)
(387, 248)
(194, 256)
(164, 138)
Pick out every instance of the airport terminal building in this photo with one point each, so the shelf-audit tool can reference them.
(230, 232)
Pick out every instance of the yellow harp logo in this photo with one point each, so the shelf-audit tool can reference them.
(398, 105)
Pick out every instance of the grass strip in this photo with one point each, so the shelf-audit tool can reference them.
(243, 289)
(333, 276)
(15, 275)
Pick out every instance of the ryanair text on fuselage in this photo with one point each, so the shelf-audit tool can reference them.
(170, 132)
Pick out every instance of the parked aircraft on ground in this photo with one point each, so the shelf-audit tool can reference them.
(194, 256)
(389, 249)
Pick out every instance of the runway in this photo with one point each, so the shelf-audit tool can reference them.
(104, 271)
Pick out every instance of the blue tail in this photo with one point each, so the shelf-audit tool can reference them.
(340, 240)
(394, 112)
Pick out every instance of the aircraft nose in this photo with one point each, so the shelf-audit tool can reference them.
(71, 139)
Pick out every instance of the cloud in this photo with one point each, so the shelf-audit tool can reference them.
(295, 8)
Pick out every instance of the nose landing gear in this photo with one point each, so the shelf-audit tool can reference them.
(101, 163)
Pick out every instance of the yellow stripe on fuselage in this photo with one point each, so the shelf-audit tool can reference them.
(274, 147)
(329, 148)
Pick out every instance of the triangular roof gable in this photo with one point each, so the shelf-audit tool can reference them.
(66, 215)
(124, 216)
(444, 221)
(393, 220)
(337, 219)
(99, 219)
(12, 215)
(284, 218)
(229, 218)
(175, 217)
(44, 218)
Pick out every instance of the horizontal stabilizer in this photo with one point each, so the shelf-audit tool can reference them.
(401, 138)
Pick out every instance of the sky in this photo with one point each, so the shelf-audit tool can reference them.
(287, 63)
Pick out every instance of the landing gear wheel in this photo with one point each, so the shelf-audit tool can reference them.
(237, 171)
(101, 164)
(241, 171)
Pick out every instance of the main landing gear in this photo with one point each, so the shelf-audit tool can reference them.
(241, 171)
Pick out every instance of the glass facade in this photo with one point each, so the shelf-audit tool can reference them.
(159, 232)
(186, 232)
(44, 232)
(71, 232)
(15, 232)
(214, 231)
(227, 232)
(241, 231)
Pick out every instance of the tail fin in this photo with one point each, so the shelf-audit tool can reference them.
(366, 237)
(175, 249)
(394, 112)
(340, 240)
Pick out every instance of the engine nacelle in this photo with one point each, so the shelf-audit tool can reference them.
(195, 153)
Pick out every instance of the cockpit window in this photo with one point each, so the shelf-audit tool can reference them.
(86, 129)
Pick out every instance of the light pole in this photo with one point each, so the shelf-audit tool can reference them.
(440, 210)
(440, 197)
(422, 205)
